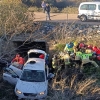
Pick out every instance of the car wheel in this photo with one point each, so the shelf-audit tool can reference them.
(83, 18)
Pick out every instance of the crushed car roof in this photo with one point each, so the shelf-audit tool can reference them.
(35, 64)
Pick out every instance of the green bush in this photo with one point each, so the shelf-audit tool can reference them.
(89, 69)
(70, 10)
(54, 10)
(12, 9)
(60, 47)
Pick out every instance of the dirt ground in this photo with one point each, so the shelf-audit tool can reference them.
(39, 16)
(62, 17)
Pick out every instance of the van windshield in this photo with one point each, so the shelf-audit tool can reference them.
(33, 76)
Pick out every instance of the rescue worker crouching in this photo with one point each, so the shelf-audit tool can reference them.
(18, 61)
(88, 58)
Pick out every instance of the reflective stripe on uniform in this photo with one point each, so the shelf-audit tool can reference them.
(78, 53)
(54, 66)
(67, 61)
(54, 63)
(86, 56)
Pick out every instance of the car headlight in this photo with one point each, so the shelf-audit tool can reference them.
(42, 93)
(18, 91)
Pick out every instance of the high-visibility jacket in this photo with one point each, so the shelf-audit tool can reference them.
(86, 56)
(54, 62)
(69, 48)
(66, 59)
(78, 53)
(88, 51)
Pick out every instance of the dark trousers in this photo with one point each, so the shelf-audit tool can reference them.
(47, 15)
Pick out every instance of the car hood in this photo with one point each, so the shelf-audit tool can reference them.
(31, 87)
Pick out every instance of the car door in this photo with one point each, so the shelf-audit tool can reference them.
(91, 11)
(83, 9)
(11, 75)
(47, 72)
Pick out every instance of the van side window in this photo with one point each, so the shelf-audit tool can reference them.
(84, 7)
(99, 7)
(91, 7)
(88, 7)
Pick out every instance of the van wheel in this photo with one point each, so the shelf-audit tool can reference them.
(83, 18)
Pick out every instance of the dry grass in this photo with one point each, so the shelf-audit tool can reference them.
(75, 90)
(68, 87)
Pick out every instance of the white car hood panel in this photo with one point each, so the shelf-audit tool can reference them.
(31, 87)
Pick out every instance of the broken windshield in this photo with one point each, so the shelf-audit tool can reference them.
(33, 76)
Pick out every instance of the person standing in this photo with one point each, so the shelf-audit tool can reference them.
(43, 5)
(47, 11)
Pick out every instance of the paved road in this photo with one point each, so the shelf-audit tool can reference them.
(61, 17)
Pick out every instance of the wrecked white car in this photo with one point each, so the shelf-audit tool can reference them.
(11, 74)
(32, 81)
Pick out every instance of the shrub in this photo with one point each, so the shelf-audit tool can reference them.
(70, 10)
(60, 47)
(54, 10)
(89, 69)
(35, 9)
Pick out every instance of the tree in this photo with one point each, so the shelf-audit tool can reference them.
(51, 2)
(11, 14)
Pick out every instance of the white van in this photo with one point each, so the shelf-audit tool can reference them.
(89, 11)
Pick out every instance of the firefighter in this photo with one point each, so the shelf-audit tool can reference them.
(75, 47)
(86, 59)
(54, 63)
(81, 47)
(66, 58)
(69, 48)
(78, 60)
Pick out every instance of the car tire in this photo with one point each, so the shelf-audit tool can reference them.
(83, 18)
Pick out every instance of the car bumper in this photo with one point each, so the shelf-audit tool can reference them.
(22, 96)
